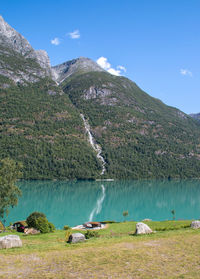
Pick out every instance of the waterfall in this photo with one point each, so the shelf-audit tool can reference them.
(94, 145)
(98, 206)
(97, 148)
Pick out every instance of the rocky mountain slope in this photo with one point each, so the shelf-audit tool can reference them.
(195, 116)
(39, 125)
(42, 111)
(18, 60)
(75, 66)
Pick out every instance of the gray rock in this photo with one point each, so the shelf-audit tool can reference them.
(66, 69)
(12, 44)
(94, 92)
(195, 224)
(76, 237)
(10, 241)
(31, 231)
(142, 228)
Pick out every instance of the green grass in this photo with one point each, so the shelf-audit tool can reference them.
(171, 252)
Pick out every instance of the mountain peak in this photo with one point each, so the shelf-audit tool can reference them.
(80, 64)
(10, 39)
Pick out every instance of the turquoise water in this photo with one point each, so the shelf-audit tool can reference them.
(73, 203)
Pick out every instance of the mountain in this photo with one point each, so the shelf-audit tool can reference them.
(75, 66)
(19, 61)
(195, 116)
(139, 135)
(39, 125)
(45, 112)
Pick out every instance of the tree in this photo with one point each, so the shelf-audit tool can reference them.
(173, 214)
(125, 213)
(9, 192)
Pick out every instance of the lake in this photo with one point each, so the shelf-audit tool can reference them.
(73, 203)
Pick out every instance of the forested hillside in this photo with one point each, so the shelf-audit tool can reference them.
(41, 126)
(140, 136)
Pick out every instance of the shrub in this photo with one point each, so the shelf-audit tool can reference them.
(90, 234)
(1, 226)
(32, 218)
(51, 227)
(42, 225)
(67, 235)
(38, 221)
(66, 228)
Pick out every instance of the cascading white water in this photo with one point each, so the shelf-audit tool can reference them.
(97, 148)
(94, 145)
(98, 206)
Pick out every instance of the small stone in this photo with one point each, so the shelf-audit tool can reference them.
(76, 237)
(195, 224)
(142, 228)
(10, 241)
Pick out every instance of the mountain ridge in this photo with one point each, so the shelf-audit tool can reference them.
(10, 39)
(77, 65)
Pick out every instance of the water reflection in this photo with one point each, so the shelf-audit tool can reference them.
(72, 202)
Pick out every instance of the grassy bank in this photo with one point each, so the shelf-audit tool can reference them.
(171, 252)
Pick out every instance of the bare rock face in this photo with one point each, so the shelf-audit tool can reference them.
(93, 93)
(81, 64)
(13, 44)
(11, 38)
(10, 241)
(76, 237)
(142, 228)
(195, 224)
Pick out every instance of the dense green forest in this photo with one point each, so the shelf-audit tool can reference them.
(44, 132)
(140, 136)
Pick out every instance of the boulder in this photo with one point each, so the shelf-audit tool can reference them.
(10, 241)
(76, 237)
(31, 231)
(142, 228)
(195, 224)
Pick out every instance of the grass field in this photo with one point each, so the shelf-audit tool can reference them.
(172, 252)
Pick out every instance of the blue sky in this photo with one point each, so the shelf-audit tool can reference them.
(156, 41)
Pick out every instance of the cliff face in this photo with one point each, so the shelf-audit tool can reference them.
(18, 60)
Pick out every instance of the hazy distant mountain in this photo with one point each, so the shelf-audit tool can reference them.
(41, 126)
(195, 116)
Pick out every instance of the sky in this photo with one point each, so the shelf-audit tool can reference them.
(155, 43)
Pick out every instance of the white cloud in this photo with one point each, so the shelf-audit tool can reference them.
(114, 72)
(75, 34)
(122, 68)
(103, 62)
(55, 41)
(185, 72)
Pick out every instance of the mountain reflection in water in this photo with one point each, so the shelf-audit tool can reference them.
(71, 203)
